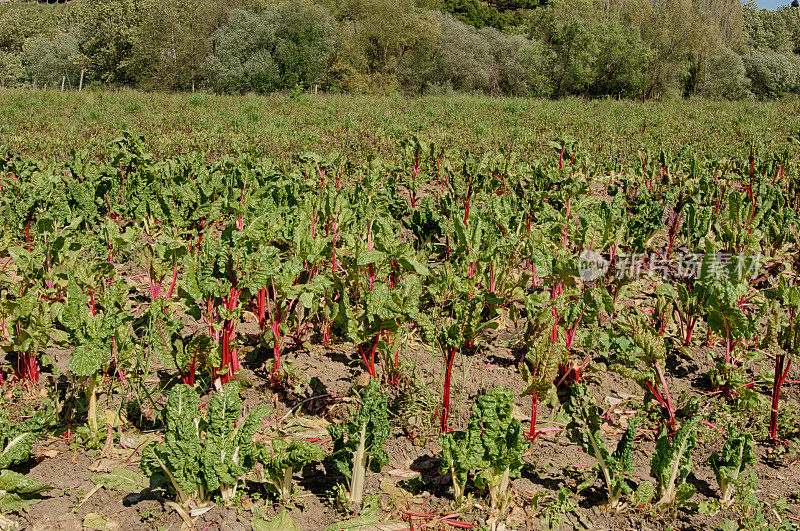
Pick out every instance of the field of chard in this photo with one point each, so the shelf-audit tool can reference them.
(444, 340)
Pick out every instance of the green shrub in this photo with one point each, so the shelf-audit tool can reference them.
(486, 60)
(726, 78)
(274, 50)
(771, 73)
(11, 71)
(46, 59)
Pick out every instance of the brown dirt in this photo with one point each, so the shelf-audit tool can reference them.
(328, 373)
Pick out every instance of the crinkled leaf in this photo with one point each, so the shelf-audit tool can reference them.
(122, 479)
(281, 522)
(16, 448)
(374, 414)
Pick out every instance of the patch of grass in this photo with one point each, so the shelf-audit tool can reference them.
(44, 124)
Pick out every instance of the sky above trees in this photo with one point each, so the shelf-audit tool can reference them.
(772, 4)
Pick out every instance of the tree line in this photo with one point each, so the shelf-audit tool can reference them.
(547, 48)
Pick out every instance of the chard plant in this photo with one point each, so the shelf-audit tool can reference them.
(428, 226)
(646, 218)
(358, 443)
(286, 289)
(735, 227)
(42, 265)
(283, 460)
(18, 491)
(654, 351)
(337, 213)
(116, 242)
(365, 323)
(689, 303)
(470, 238)
(563, 310)
(465, 316)
(459, 458)
(404, 307)
(163, 258)
(228, 447)
(731, 465)
(385, 257)
(571, 309)
(25, 332)
(697, 220)
(459, 329)
(615, 469)
(502, 444)
(779, 227)
(782, 339)
(212, 295)
(32, 292)
(673, 219)
(162, 329)
(278, 297)
(728, 317)
(201, 456)
(733, 309)
(604, 226)
(324, 171)
(491, 447)
(97, 322)
(416, 155)
(671, 463)
(16, 442)
(539, 370)
(179, 457)
(665, 296)
(384, 313)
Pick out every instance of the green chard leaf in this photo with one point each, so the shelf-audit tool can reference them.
(672, 462)
(730, 465)
(358, 443)
(584, 428)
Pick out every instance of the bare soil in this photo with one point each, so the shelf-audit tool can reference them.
(321, 380)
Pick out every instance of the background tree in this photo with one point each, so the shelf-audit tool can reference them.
(726, 78)
(772, 74)
(277, 49)
(765, 29)
(553, 48)
(678, 38)
(478, 14)
(241, 60)
(107, 36)
(727, 17)
(172, 41)
(375, 36)
(595, 51)
(462, 59)
(773, 40)
(11, 71)
(304, 41)
(21, 22)
(47, 59)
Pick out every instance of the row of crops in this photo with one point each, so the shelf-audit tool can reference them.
(205, 272)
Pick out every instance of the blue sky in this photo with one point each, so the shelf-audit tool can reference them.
(772, 4)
